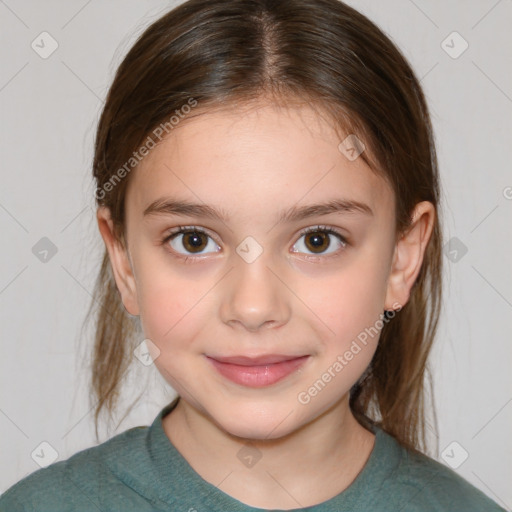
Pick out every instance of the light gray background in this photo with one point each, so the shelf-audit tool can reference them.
(49, 110)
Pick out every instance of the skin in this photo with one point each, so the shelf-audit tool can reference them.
(253, 163)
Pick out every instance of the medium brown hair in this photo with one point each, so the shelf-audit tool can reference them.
(324, 52)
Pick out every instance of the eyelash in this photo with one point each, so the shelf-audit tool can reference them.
(311, 229)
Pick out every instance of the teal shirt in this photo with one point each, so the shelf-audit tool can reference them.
(140, 470)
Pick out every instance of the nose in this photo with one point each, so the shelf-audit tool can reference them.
(254, 297)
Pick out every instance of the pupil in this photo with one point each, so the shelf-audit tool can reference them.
(193, 241)
(316, 241)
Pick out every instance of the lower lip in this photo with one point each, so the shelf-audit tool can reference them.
(258, 376)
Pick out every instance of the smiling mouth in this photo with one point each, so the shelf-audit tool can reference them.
(257, 372)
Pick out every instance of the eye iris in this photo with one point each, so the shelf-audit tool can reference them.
(314, 241)
(194, 241)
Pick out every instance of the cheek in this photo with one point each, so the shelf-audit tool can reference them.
(347, 304)
(168, 308)
(168, 298)
(172, 312)
(354, 292)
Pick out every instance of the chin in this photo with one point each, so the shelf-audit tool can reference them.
(256, 421)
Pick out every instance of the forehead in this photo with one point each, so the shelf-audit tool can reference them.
(264, 156)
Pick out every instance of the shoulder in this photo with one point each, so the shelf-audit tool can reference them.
(422, 483)
(77, 482)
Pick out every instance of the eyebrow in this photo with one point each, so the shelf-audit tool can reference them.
(295, 213)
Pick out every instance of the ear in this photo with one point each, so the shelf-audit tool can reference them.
(408, 256)
(120, 261)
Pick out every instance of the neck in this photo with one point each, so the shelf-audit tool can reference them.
(287, 472)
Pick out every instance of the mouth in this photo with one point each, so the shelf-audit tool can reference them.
(257, 372)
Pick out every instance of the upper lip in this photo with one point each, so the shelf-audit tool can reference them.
(255, 361)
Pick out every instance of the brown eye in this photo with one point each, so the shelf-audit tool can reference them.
(192, 241)
(317, 241)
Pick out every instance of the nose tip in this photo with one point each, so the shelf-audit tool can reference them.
(254, 298)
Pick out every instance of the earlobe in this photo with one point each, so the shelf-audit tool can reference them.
(409, 254)
(119, 260)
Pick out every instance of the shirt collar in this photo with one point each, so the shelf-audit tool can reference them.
(167, 477)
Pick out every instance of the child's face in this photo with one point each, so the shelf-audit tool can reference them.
(303, 295)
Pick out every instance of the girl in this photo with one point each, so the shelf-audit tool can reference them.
(268, 195)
